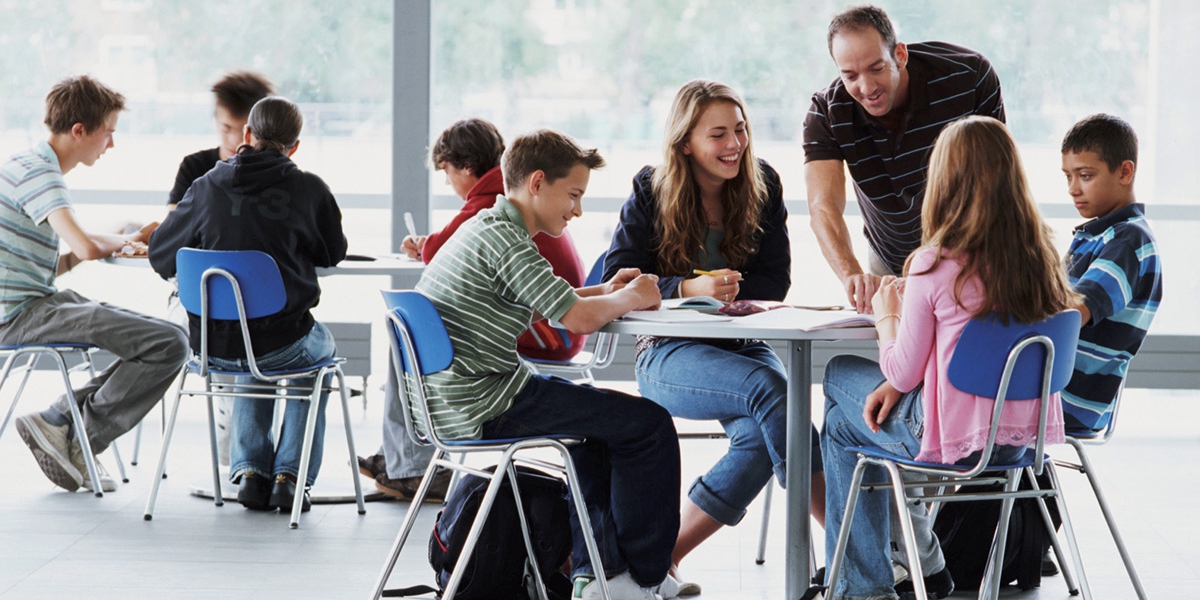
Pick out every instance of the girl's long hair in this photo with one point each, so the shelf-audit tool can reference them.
(681, 224)
(978, 208)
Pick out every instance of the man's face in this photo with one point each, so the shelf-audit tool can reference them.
(555, 204)
(229, 127)
(874, 78)
(1095, 190)
(96, 143)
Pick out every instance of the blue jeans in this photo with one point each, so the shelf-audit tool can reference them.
(745, 389)
(252, 448)
(628, 467)
(867, 567)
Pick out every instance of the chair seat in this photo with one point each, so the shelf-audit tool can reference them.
(476, 444)
(1084, 434)
(1027, 460)
(52, 345)
(580, 360)
(193, 365)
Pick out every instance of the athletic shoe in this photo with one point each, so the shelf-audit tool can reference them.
(937, 586)
(107, 482)
(406, 487)
(621, 587)
(51, 449)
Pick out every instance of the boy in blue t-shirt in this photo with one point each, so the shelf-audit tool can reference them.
(1113, 262)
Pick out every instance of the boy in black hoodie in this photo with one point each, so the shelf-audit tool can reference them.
(260, 200)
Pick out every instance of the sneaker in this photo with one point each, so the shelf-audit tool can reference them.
(107, 482)
(51, 449)
(1049, 569)
(620, 587)
(682, 588)
(937, 586)
(372, 466)
(668, 589)
(406, 487)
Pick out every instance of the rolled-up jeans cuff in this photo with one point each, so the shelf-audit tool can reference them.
(712, 504)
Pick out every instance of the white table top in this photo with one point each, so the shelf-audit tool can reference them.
(761, 327)
(383, 265)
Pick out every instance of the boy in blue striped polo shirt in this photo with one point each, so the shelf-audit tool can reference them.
(1113, 262)
(488, 282)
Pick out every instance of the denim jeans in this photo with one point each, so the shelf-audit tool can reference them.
(252, 448)
(628, 468)
(867, 566)
(745, 389)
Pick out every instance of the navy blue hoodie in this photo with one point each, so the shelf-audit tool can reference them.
(257, 201)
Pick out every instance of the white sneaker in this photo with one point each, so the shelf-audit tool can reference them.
(51, 449)
(668, 589)
(107, 482)
(621, 587)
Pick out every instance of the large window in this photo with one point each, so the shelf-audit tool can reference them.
(605, 71)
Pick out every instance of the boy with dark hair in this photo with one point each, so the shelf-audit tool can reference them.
(36, 209)
(469, 152)
(236, 93)
(487, 282)
(1113, 262)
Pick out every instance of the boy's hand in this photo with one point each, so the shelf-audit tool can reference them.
(646, 288)
(879, 405)
(143, 234)
(411, 246)
(621, 279)
(723, 285)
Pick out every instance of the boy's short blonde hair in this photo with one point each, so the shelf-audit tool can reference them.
(80, 100)
(548, 151)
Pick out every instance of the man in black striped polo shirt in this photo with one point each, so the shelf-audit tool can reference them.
(880, 118)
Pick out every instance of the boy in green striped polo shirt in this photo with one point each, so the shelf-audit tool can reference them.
(488, 282)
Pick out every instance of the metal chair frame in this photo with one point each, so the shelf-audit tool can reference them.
(58, 352)
(414, 356)
(604, 346)
(1053, 376)
(269, 385)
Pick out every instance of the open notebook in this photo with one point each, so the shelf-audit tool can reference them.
(809, 320)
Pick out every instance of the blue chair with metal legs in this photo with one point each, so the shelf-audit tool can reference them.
(237, 286)
(59, 354)
(604, 347)
(1014, 362)
(421, 347)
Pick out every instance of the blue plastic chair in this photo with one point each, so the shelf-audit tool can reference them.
(1014, 362)
(580, 366)
(58, 353)
(421, 347)
(242, 285)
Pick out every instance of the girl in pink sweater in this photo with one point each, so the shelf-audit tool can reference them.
(984, 249)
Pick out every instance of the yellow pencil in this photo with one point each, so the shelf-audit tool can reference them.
(709, 273)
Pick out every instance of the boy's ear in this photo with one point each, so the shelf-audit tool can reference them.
(1125, 171)
(536, 180)
(78, 130)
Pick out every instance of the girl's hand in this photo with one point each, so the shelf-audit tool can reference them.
(723, 285)
(888, 298)
(879, 405)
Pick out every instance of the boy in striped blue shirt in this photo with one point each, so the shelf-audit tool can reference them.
(1113, 262)
(488, 282)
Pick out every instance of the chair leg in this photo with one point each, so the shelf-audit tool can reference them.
(89, 459)
(761, 557)
(525, 532)
(85, 357)
(1086, 469)
(358, 495)
(8, 364)
(589, 536)
(137, 443)
(218, 495)
(834, 567)
(1069, 532)
(990, 586)
(1051, 533)
(310, 430)
(162, 454)
(485, 507)
(410, 518)
(906, 529)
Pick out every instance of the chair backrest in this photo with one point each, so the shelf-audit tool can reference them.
(256, 274)
(420, 346)
(1016, 361)
(596, 275)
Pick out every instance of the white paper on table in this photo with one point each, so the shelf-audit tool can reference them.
(675, 315)
(808, 320)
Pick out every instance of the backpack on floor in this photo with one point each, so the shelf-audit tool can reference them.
(499, 567)
(965, 531)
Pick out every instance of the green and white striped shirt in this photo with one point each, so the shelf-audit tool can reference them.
(486, 281)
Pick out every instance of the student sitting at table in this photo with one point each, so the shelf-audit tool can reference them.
(985, 249)
(260, 200)
(713, 206)
(37, 214)
(235, 94)
(469, 152)
(487, 283)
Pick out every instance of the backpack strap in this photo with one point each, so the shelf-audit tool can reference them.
(416, 590)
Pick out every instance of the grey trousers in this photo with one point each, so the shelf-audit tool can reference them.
(404, 457)
(149, 354)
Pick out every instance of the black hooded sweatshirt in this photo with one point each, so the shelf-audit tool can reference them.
(257, 201)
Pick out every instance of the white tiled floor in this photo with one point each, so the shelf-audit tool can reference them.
(55, 544)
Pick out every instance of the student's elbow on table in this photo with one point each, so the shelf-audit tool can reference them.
(585, 317)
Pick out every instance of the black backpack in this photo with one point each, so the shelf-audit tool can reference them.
(499, 569)
(965, 530)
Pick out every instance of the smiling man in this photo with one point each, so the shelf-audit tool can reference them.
(879, 119)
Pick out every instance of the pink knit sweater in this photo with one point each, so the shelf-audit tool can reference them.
(956, 423)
